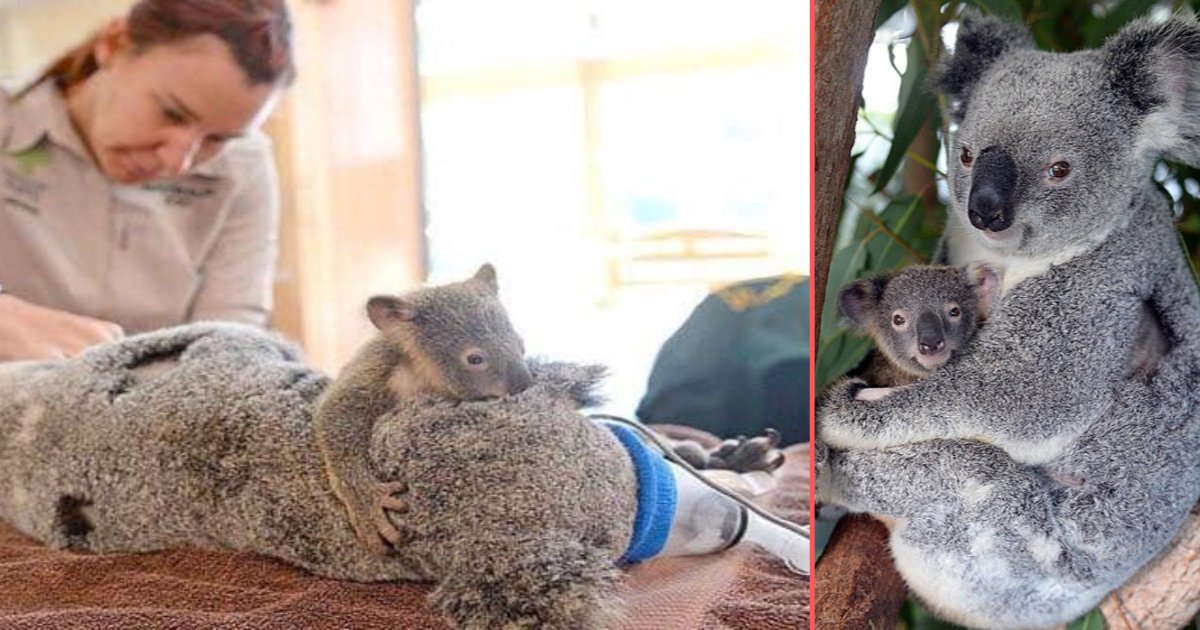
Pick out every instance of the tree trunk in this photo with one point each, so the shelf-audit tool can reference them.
(856, 584)
(1166, 593)
(843, 35)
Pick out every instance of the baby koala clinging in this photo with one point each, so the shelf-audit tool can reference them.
(918, 317)
(452, 341)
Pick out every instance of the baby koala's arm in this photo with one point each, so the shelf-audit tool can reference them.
(343, 422)
(1033, 380)
(875, 393)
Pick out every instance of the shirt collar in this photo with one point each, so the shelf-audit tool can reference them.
(40, 113)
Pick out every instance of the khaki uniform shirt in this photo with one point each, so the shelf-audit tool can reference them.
(144, 256)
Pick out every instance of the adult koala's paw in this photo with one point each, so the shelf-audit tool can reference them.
(744, 454)
(548, 581)
(842, 419)
(821, 478)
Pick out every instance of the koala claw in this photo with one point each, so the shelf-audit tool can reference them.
(386, 500)
(747, 455)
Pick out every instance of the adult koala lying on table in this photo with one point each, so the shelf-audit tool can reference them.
(203, 436)
(1058, 454)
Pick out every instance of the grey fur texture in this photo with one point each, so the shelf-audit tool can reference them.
(1044, 467)
(202, 436)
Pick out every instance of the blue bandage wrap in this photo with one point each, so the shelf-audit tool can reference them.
(656, 497)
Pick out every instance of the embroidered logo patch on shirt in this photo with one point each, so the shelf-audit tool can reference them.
(31, 160)
(181, 194)
(21, 191)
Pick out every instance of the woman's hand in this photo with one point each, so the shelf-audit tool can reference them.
(29, 331)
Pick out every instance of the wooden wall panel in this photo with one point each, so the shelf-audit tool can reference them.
(353, 155)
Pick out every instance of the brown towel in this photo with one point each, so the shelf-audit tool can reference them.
(46, 589)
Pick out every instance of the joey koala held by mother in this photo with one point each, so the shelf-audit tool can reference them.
(1056, 455)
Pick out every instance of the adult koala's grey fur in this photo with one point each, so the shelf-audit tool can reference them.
(202, 436)
(1048, 463)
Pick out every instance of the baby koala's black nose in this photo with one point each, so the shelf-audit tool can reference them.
(519, 378)
(931, 348)
(931, 339)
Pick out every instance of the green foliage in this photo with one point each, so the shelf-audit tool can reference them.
(1091, 621)
(916, 101)
(914, 617)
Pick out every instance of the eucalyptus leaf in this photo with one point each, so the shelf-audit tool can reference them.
(911, 115)
(1095, 32)
(888, 8)
(917, 618)
(839, 355)
(1003, 8)
(915, 102)
(848, 263)
(1091, 621)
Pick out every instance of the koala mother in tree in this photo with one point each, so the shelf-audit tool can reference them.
(137, 190)
(1055, 457)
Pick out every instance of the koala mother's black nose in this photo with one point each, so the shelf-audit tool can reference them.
(990, 206)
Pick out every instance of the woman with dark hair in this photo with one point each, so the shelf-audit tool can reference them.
(136, 190)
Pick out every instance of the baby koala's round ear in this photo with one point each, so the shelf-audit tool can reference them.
(985, 277)
(487, 275)
(387, 311)
(860, 299)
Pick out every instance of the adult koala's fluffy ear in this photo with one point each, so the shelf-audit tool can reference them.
(1154, 69)
(981, 41)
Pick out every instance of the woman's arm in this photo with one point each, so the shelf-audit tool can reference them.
(30, 331)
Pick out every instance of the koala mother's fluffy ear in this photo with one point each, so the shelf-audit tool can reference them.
(1153, 67)
(981, 41)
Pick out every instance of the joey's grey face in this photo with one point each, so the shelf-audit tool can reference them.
(1042, 152)
(482, 356)
(924, 316)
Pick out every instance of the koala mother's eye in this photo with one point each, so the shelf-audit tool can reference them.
(966, 158)
(954, 312)
(1059, 170)
(898, 320)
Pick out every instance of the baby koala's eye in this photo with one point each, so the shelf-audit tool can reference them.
(475, 358)
(966, 158)
(954, 312)
(1059, 170)
(898, 320)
